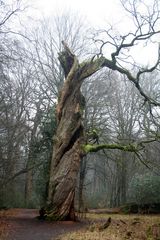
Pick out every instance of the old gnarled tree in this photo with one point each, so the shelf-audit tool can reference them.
(69, 142)
(69, 138)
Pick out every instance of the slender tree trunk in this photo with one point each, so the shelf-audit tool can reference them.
(31, 157)
(28, 187)
(124, 179)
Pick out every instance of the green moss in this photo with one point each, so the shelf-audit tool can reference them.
(87, 148)
(95, 148)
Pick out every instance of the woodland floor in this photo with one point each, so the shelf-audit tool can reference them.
(21, 224)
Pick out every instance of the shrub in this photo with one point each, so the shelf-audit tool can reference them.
(145, 189)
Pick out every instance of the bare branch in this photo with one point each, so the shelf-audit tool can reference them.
(23, 171)
(9, 15)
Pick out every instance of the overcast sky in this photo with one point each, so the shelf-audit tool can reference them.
(97, 13)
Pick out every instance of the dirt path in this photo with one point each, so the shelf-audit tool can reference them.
(25, 226)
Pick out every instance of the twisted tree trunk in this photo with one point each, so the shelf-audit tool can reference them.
(67, 150)
(69, 137)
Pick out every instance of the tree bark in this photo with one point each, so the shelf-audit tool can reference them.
(69, 138)
(67, 151)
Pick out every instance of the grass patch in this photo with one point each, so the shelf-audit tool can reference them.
(135, 227)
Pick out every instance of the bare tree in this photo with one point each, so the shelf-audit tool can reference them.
(12, 124)
(47, 41)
